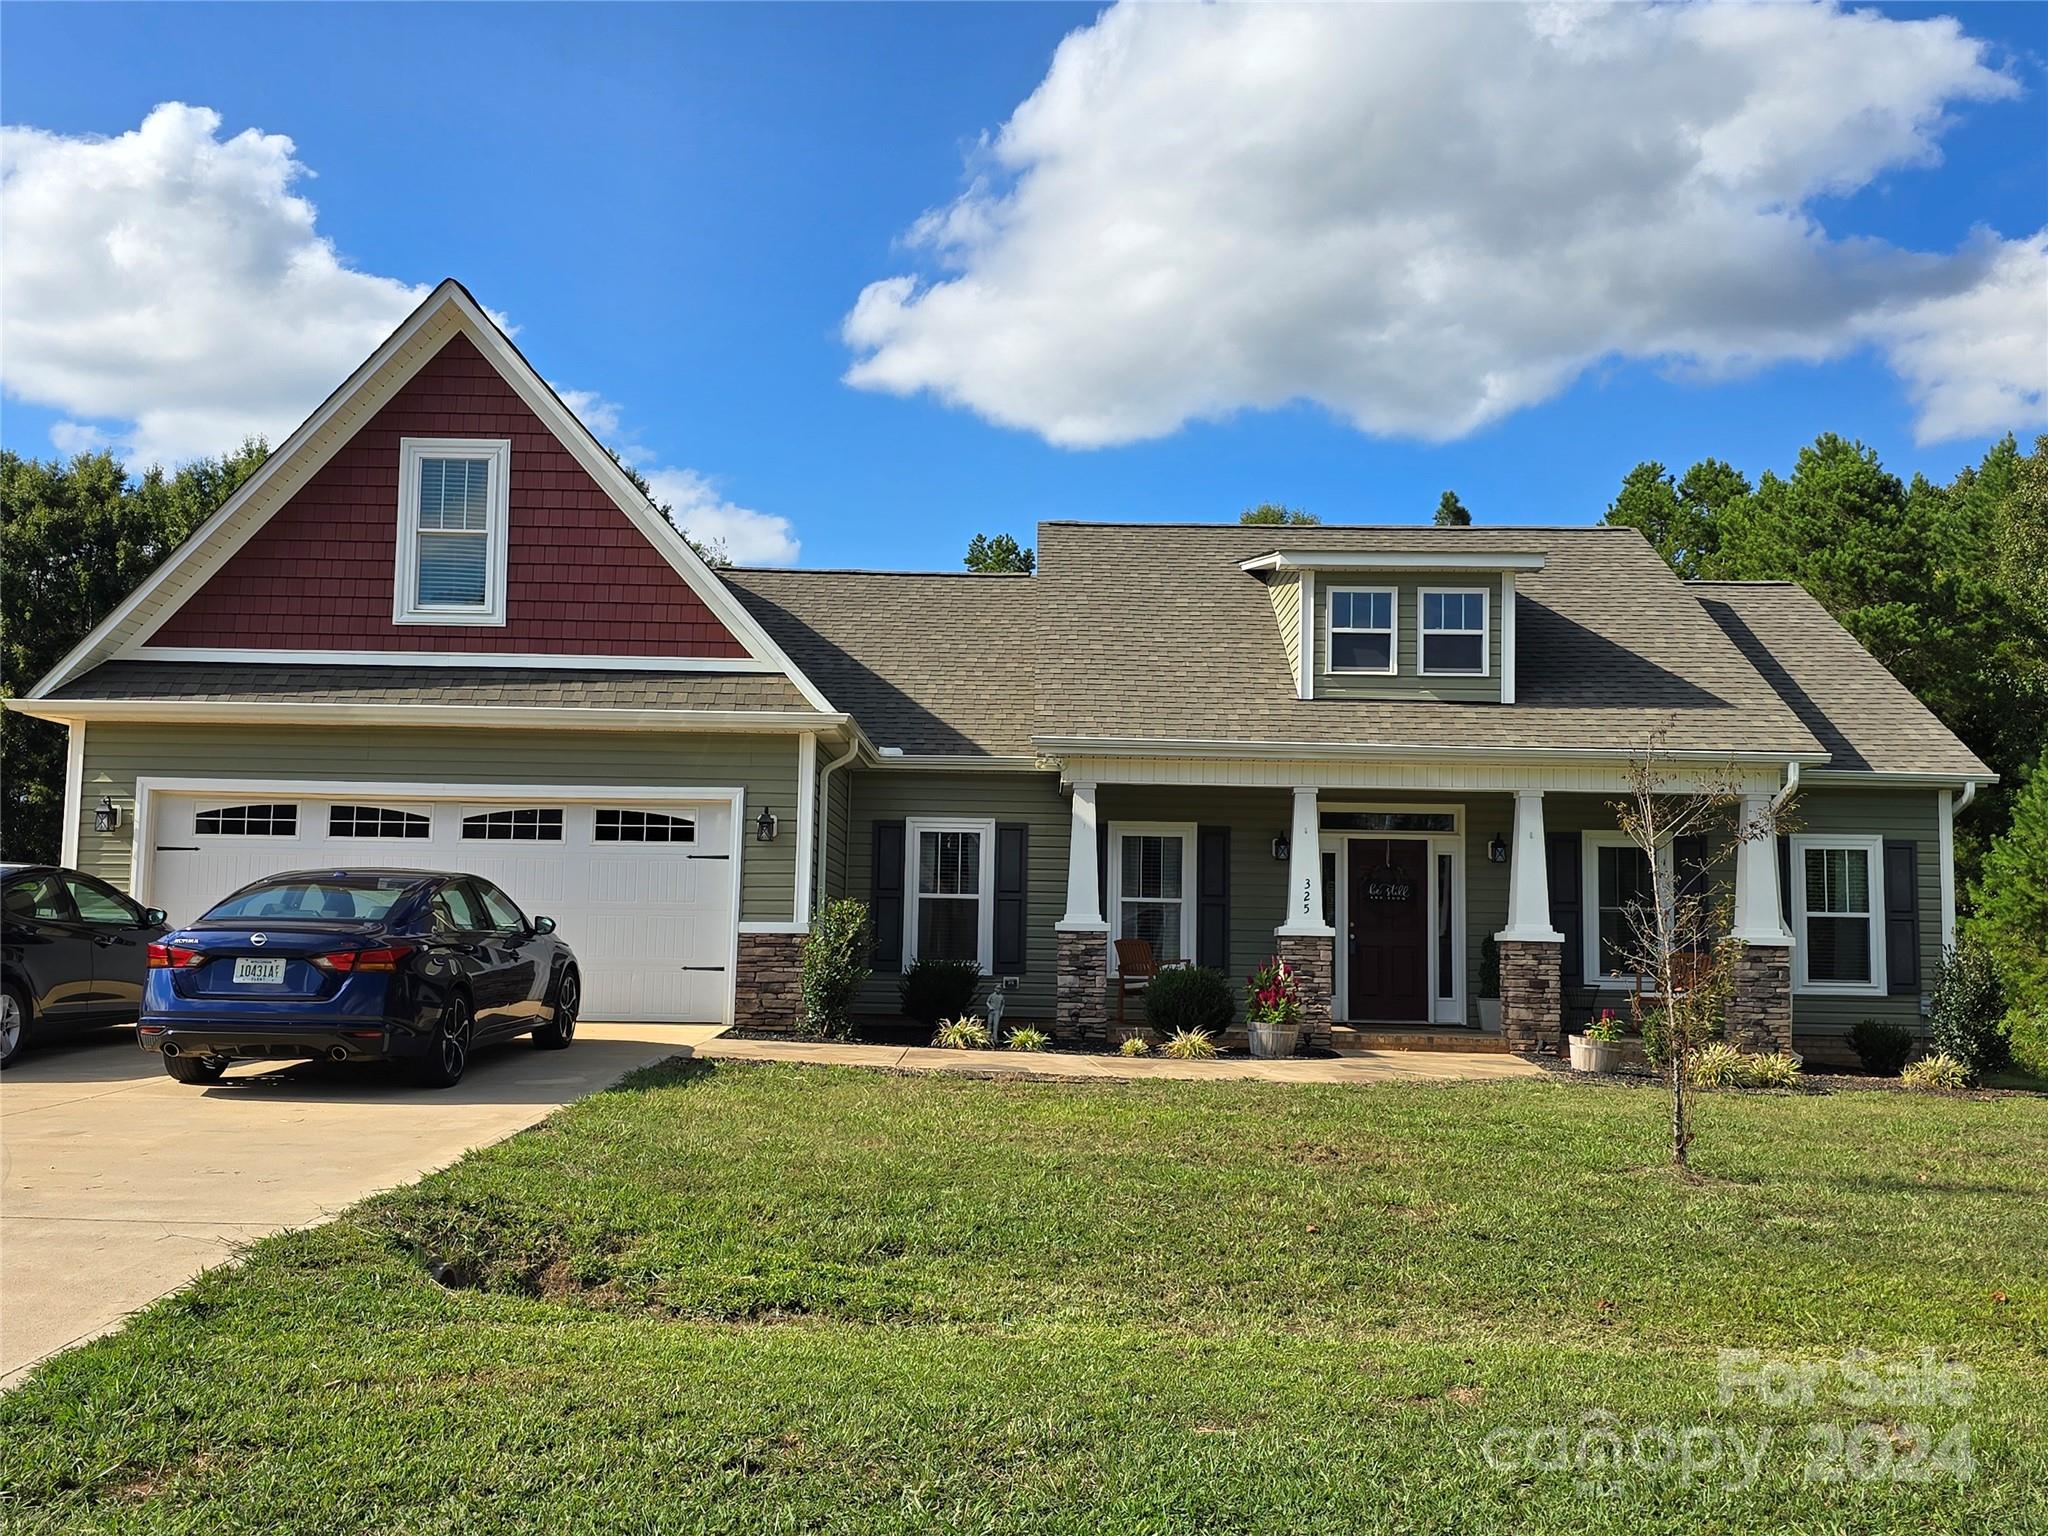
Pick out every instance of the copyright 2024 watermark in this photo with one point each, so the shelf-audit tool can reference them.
(1876, 1419)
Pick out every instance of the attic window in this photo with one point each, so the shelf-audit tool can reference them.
(452, 514)
(1453, 640)
(1361, 630)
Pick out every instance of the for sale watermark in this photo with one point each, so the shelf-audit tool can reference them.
(1876, 1420)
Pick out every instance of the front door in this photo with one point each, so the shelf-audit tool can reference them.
(1389, 941)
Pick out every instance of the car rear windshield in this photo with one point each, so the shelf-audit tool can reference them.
(331, 900)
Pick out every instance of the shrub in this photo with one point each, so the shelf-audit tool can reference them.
(932, 990)
(1656, 1038)
(2009, 900)
(1882, 1048)
(965, 1033)
(834, 969)
(1133, 1046)
(1189, 1045)
(1025, 1038)
(1777, 1069)
(1717, 1065)
(1936, 1074)
(1967, 1014)
(1188, 998)
(2026, 1034)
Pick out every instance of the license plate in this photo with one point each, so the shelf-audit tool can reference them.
(268, 973)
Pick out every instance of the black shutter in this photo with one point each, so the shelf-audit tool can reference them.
(1902, 917)
(1212, 890)
(1785, 884)
(1102, 871)
(1013, 862)
(885, 894)
(1567, 905)
(1689, 856)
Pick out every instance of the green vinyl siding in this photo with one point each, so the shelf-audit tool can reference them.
(1284, 587)
(1895, 815)
(441, 759)
(899, 794)
(837, 810)
(1407, 681)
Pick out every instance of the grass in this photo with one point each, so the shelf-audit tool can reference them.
(752, 1298)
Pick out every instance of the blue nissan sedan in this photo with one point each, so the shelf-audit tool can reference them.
(398, 965)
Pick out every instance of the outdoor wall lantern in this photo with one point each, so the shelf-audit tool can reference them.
(107, 816)
(1280, 849)
(1497, 850)
(764, 829)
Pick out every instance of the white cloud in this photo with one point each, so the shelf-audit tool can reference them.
(167, 289)
(745, 536)
(1428, 217)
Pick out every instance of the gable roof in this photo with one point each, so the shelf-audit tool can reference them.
(448, 311)
(927, 663)
(1868, 720)
(1160, 636)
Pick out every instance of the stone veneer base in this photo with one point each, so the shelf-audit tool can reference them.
(1312, 958)
(1531, 994)
(1759, 1012)
(768, 990)
(1081, 1010)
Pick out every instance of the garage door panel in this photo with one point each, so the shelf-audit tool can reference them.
(650, 922)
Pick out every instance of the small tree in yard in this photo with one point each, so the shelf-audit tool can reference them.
(1680, 938)
(834, 969)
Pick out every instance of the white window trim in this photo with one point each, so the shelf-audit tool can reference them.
(1873, 849)
(1392, 632)
(406, 607)
(985, 925)
(1590, 845)
(1189, 878)
(1485, 632)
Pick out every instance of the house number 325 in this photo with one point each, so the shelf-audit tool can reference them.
(1307, 897)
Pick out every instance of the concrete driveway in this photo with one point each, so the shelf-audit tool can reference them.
(118, 1185)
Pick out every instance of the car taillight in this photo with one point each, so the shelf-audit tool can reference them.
(173, 957)
(344, 961)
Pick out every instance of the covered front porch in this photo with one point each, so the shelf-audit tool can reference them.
(1443, 916)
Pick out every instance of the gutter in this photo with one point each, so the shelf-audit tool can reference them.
(488, 716)
(1110, 746)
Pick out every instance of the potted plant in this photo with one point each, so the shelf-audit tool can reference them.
(1489, 985)
(1272, 1009)
(1599, 1048)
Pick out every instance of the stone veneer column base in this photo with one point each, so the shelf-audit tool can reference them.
(1081, 1006)
(1759, 1014)
(1531, 994)
(1312, 958)
(768, 990)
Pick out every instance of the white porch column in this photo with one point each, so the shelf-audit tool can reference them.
(1529, 877)
(1304, 912)
(1758, 919)
(1084, 880)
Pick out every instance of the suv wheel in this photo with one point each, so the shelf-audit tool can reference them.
(448, 1053)
(556, 1035)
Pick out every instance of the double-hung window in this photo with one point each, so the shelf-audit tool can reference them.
(1151, 879)
(952, 891)
(1621, 912)
(1453, 637)
(453, 500)
(1835, 907)
(1361, 630)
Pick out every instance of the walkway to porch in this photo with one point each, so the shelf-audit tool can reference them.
(1359, 1067)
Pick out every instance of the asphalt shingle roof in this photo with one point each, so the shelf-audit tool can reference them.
(1160, 634)
(586, 688)
(928, 663)
(1866, 718)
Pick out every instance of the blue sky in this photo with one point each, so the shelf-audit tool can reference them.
(679, 206)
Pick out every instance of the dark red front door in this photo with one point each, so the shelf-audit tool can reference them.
(1389, 900)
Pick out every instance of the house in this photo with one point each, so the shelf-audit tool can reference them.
(441, 627)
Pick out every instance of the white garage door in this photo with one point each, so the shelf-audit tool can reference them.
(642, 890)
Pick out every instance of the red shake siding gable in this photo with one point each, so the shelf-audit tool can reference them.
(581, 580)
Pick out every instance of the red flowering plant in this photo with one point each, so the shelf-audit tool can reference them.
(1604, 1030)
(1273, 996)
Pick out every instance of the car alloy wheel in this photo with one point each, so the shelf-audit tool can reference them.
(567, 1000)
(13, 1023)
(451, 1040)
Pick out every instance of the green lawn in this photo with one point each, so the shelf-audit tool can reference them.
(765, 1298)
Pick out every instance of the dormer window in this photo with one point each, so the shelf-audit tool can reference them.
(1453, 638)
(452, 514)
(1362, 629)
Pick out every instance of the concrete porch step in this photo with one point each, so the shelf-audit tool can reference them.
(1395, 1037)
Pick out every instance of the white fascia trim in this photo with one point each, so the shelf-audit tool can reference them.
(568, 429)
(1311, 751)
(1872, 846)
(74, 792)
(1855, 776)
(406, 607)
(493, 717)
(770, 927)
(748, 665)
(889, 757)
(1389, 560)
(1485, 630)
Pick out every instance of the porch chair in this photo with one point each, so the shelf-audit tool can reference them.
(1689, 972)
(1135, 967)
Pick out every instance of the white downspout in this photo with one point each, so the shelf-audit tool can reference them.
(1790, 789)
(825, 813)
